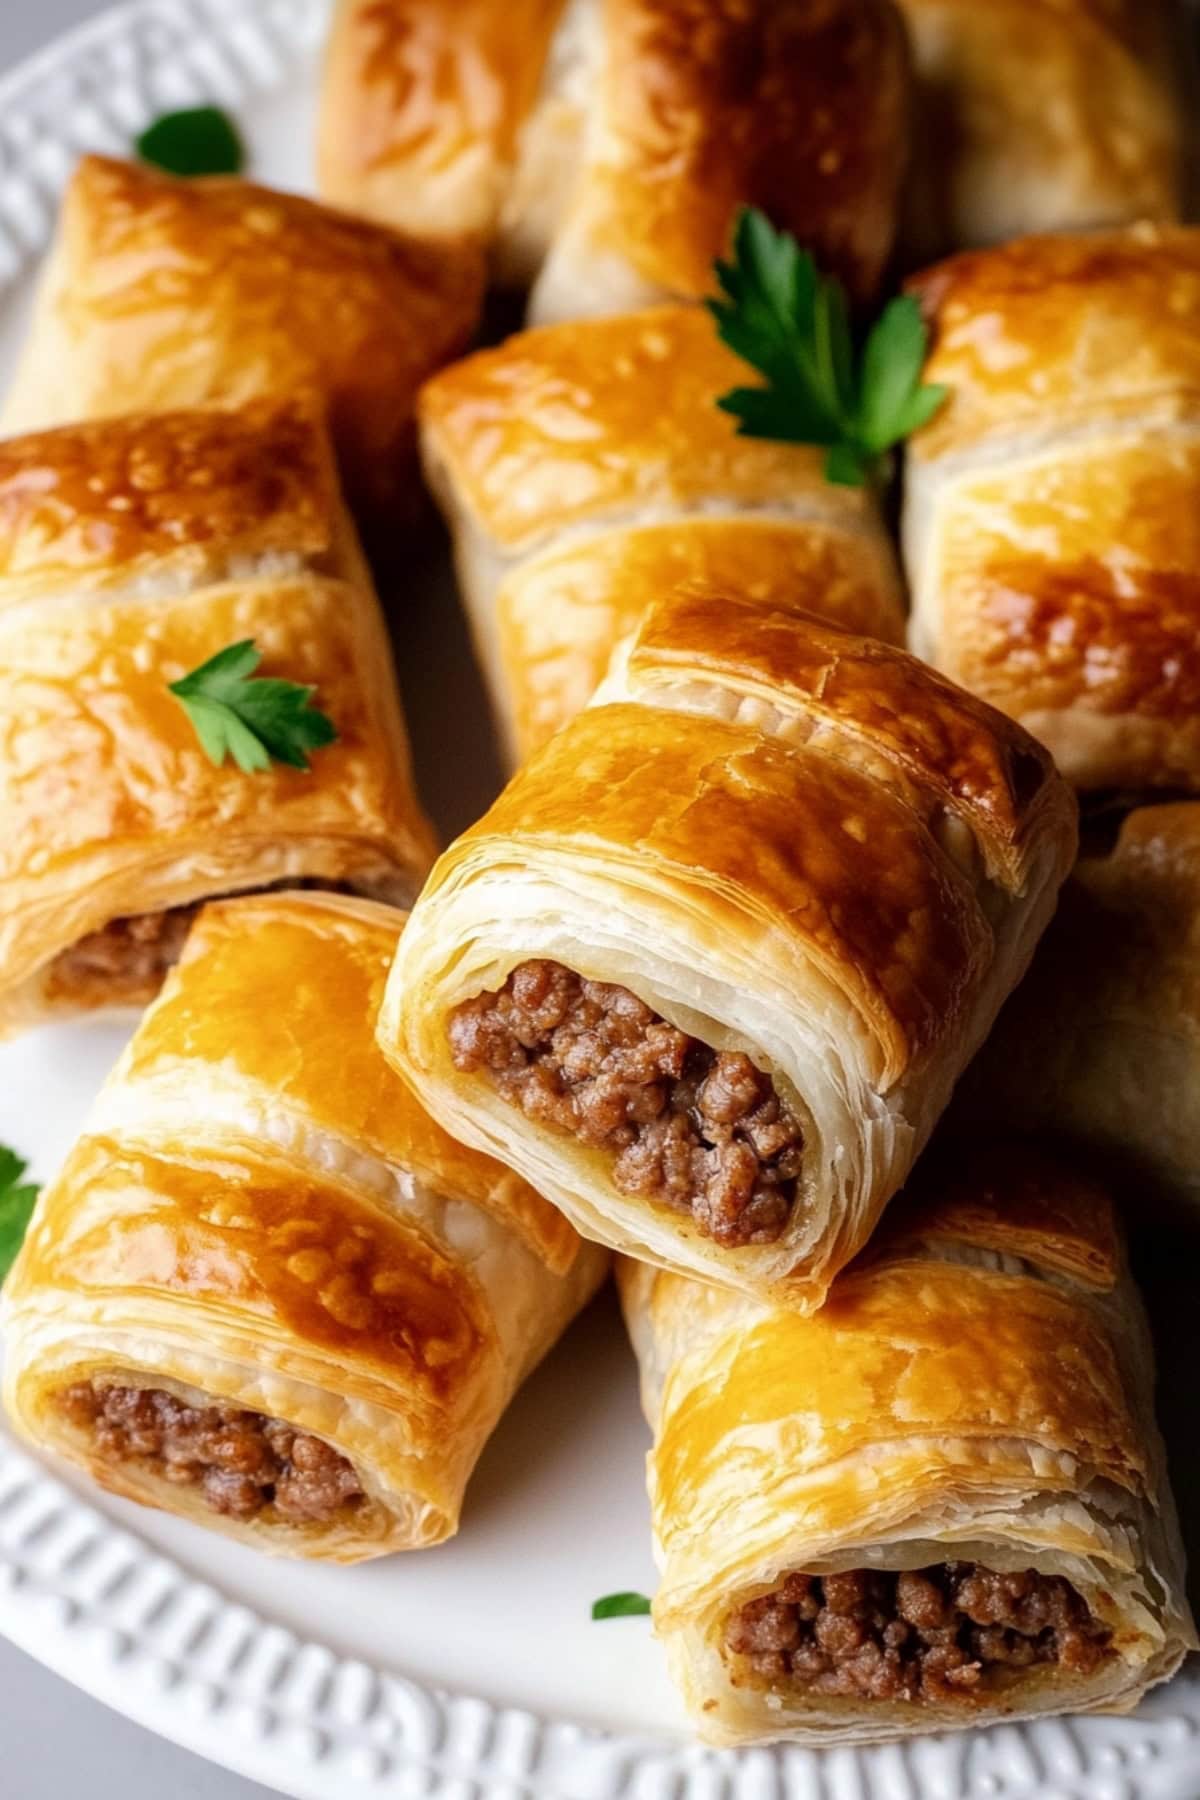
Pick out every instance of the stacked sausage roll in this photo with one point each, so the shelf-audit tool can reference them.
(1052, 543)
(132, 551)
(1041, 117)
(586, 467)
(708, 970)
(1102, 1041)
(266, 1292)
(1052, 522)
(940, 1501)
(162, 293)
(603, 146)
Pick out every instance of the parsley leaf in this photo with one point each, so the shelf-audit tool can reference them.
(621, 1606)
(792, 324)
(17, 1201)
(256, 721)
(202, 140)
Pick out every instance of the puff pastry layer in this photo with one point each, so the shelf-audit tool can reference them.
(796, 847)
(1040, 115)
(163, 294)
(131, 551)
(261, 1218)
(978, 1390)
(1051, 509)
(1102, 1040)
(585, 468)
(608, 143)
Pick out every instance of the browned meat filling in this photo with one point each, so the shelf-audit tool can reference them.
(129, 959)
(243, 1462)
(697, 1129)
(951, 1632)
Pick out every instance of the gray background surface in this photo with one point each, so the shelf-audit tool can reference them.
(68, 1744)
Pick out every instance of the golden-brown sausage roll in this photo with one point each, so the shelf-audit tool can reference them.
(1036, 117)
(586, 467)
(1052, 514)
(266, 1292)
(707, 972)
(131, 552)
(1102, 1039)
(162, 294)
(608, 143)
(942, 1500)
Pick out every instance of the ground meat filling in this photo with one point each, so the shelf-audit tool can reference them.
(697, 1129)
(129, 959)
(952, 1632)
(127, 956)
(242, 1462)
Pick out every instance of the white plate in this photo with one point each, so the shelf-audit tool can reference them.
(472, 1669)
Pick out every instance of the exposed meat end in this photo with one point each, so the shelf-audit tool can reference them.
(696, 1129)
(950, 1632)
(243, 1462)
(126, 961)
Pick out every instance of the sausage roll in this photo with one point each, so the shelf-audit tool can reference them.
(131, 552)
(942, 1500)
(609, 143)
(1102, 1040)
(266, 1293)
(1052, 516)
(585, 467)
(1032, 116)
(162, 293)
(706, 973)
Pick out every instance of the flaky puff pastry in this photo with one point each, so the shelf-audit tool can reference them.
(609, 143)
(1041, 115)
(262, 1217)
(131, 552)
(786, 841)
(1052, 513)
(978, 1388)
(585, 468)
(162, 294)
(1102, 1039)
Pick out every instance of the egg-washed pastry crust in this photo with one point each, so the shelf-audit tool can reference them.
(131, 552)
(786, 844)
(586, 468)
(264, 1252)
(1051, 509)
(972, 1410)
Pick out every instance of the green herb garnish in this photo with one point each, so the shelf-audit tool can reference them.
(199, 141)
(17, 1201)
(621, 1606)
(254, 721)
(792, 324)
